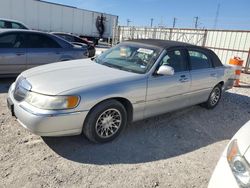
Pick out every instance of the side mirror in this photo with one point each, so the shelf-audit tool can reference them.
(165, 70)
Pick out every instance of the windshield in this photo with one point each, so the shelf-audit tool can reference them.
(129, 57)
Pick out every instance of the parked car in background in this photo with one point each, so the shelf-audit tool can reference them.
(233, 168)
(24, 49)
(11, 24)
(129, 82)
(77, 40)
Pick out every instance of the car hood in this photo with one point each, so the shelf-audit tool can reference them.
(55, 78)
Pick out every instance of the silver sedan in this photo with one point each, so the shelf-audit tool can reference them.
(24, 49)
(129, 82)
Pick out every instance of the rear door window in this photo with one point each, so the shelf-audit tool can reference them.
(66, 37)
(17, 26)
(76, 39)
(6, 25)
(13, 40)
(41, 41)
(198, 60)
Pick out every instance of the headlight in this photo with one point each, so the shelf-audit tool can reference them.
(238, 164)
(21, 88)
(47, 102)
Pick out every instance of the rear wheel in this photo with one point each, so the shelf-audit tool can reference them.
(214, 98)
(105, 122)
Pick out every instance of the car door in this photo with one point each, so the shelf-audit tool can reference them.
(167, 93)
(203, 75)
(12, 53)
(42, 50)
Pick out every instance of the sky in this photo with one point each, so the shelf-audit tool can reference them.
(232, 14)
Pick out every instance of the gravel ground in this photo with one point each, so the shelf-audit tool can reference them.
(178, 149)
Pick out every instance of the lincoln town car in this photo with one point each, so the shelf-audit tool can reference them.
(131, 81)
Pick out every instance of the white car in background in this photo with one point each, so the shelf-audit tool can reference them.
(12, 24)
(233, 168)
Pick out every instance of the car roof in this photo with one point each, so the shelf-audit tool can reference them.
(10, 20)
(21, 30)
(161, 43)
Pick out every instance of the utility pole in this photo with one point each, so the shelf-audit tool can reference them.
(174, 22)
(128, 22)
(151, 22)
(217, 16)
(196, 22)
(161, 24)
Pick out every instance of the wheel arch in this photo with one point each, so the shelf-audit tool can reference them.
(221, 83)
(125, 102)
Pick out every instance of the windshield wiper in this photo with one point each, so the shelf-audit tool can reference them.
(118, 67)
(112, 66)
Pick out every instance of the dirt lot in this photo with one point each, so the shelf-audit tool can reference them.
(178, 149)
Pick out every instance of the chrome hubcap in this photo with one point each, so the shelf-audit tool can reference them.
(215, 96)
(108, 123)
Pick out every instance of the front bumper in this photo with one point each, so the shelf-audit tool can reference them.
(46, 123)
(222, 175)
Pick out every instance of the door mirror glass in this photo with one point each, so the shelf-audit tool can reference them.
(165, 70)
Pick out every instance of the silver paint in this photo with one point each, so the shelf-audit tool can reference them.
(149, 94)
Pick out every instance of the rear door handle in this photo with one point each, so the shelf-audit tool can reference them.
(20, 53)
(213, 74)
(183, 79)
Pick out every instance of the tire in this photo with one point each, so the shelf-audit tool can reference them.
(214, 98)
(105, 122)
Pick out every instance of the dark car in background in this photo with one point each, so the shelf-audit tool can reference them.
(77, 40)
(24, 49)
(11, 24)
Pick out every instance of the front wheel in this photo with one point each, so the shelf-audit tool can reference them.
(214, 98)
(105, 122)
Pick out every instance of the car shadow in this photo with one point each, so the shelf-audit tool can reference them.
(245, 86)
(5, 84)
(161, 137)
